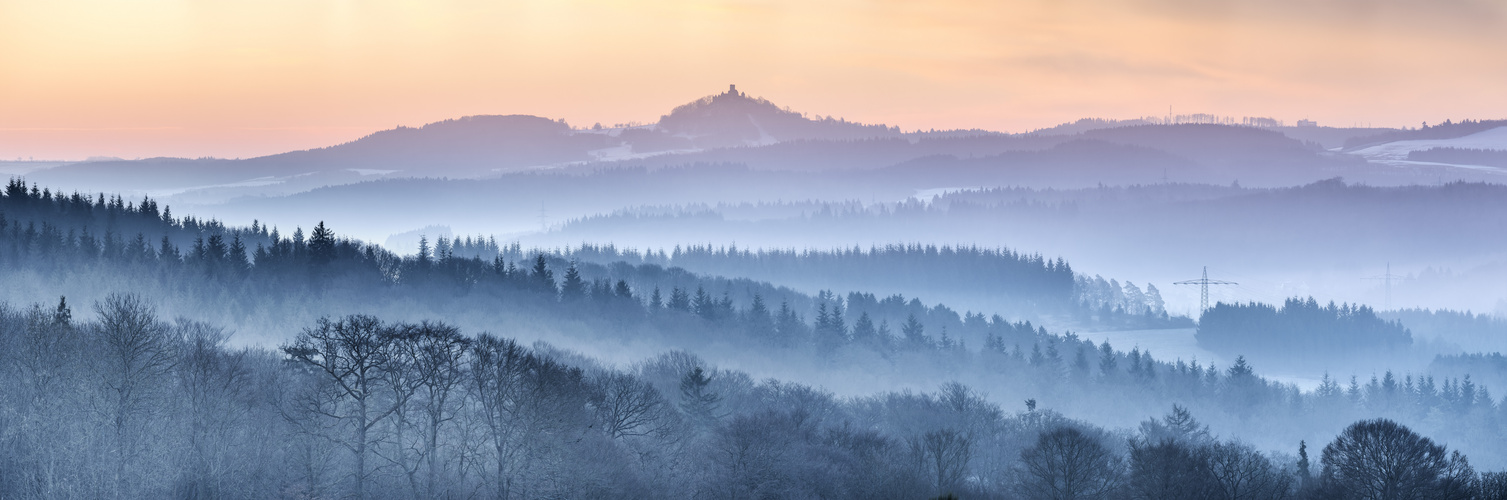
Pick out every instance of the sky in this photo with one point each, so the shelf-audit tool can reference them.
(240, 78)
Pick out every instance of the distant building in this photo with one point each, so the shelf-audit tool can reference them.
(733, 90)
(1307, 123)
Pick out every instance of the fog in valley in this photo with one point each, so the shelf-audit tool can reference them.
(741, 300)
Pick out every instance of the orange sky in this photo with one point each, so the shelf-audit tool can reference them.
(237, 78)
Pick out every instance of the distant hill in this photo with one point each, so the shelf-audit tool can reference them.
(1087, 124)
(476, 146)
(1461, 156)
(464, 145)
(733, 118)
(1212, 145)
(738, 129)
(1137, 154)
(1446, 130)
(1077, 163)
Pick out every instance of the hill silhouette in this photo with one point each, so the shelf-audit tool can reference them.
(733, 118)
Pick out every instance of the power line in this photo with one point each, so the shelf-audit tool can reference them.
(1387, 278)
(1203, 286)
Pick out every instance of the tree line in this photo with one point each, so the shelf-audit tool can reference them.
(1301, 330)
(294, 281)
(127, 404)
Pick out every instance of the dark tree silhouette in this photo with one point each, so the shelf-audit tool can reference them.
(321, 245)
(1066, 464)
(1169, 470)
(1380, 459)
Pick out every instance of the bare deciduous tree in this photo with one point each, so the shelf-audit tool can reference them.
(1242, 473)
(1067, 464)
(213, 385)
(628, 406)
(136, 354)
(351, 354)
(1382, 459)
(945, 454)
(439, 353)
(532, 407)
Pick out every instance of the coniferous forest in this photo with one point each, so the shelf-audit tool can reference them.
(753, 250)
(126, 342)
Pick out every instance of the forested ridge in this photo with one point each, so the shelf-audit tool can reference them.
(1028, 284)
(1300, 330)
(1447, 130)
(128, 403)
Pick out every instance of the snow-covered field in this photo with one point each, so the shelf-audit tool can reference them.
(1396, 153)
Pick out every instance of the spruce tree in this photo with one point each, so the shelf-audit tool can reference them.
(703, 305)
(167, 252)
(423, 257)
(572, 288)
(864, 331)
(62, 315)
(1303, 475)
(696, 398)
(236, 256)
(679, 300)
(760, 324)
(321, 245)
(1108, 361)
(789, 327)
(543, 278)
(914, 333)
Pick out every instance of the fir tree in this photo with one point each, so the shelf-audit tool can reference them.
(864, 331)
(543, 278)
(789, 327)
(679, 300)
(914, 333)
(62, 315)
(167, 253)
(1108, 361)
(760, 323)
(1303, 475)
(321, 245)
(696, 398)
(236, 257)
(703, 306)
(572, 288)
(423, 257)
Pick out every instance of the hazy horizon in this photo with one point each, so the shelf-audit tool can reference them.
(238, 81)
(754, 249)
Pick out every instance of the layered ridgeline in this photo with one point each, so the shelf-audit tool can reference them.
(1446, 130)
(733, 128)
(1301, 332)
(1161, 232)
(742, 331)
(1012, 283)
(122, 404)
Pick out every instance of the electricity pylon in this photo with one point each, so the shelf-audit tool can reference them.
(1387, 278)
(1203, 286)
